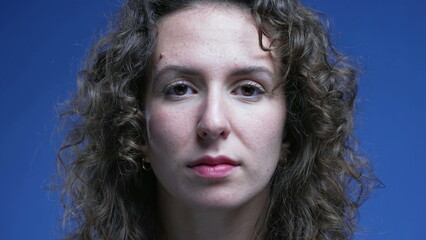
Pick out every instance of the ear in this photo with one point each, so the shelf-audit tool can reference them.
(285, 145)
(144, 149)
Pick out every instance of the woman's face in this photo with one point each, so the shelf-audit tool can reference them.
(215, 118)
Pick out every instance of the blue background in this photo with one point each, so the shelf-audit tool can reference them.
(42, 45)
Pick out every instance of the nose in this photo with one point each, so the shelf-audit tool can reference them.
(214, 122)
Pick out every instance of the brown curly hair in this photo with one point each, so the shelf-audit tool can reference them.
(315, 193)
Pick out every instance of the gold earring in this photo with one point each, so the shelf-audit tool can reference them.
(145, 165)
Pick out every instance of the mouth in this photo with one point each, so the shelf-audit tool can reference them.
(213, 161)
(213, 167)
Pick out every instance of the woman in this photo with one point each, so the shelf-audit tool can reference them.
(214, 120)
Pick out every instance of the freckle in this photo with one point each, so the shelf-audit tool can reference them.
(161, 55)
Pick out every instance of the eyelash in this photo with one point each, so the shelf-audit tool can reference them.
(168, 90)
(258, 90)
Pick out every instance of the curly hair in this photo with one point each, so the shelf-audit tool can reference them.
(315, 193)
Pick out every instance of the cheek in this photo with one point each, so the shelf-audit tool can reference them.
(167, 130)
(268, 143)
(264, 130)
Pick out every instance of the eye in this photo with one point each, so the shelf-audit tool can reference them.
(179, 89)
(249, 89)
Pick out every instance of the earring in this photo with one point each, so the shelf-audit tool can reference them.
(145, 165)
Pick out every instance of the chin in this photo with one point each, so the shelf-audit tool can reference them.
(225, 201)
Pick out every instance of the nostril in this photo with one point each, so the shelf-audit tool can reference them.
(225, 133)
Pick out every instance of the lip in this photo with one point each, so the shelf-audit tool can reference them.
(213, 167)
(212, 161)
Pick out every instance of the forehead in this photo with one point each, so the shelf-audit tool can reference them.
(207, 23)
(207, 13)
(205, 33)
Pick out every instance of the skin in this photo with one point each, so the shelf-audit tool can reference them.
(213, 92)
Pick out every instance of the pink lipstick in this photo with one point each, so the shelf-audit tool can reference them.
(213, 167)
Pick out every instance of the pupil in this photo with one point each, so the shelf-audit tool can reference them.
(247, 90)
(180, 89)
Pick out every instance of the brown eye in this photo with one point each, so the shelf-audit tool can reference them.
(180, 89)
(247, 90)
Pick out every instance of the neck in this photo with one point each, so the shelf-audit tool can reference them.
(182, 222)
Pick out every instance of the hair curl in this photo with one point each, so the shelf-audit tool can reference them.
(315, 193)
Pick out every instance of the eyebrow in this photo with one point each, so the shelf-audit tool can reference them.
(248, 70)
(176, 69)
(252, 70)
